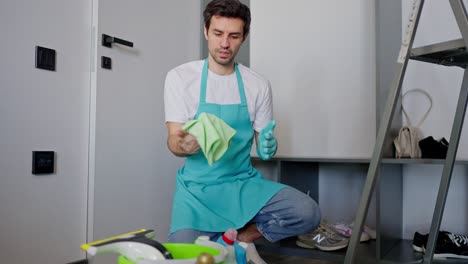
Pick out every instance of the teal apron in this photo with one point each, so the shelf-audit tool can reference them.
(230, 192)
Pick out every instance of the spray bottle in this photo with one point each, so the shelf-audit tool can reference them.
(237, 253)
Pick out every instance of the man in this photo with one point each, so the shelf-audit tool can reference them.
(230, 193)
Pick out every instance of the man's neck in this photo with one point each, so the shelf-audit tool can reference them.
(220, 69)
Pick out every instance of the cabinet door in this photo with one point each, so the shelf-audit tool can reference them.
(133, 172)
(320, 60)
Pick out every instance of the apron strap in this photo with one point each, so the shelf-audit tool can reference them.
(204, 78)
(240, 85)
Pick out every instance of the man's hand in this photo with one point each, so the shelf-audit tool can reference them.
(187, 142)
(180, 143)
(267, 143)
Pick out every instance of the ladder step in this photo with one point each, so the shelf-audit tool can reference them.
(448, 53)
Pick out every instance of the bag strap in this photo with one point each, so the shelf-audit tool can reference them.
(427, 111)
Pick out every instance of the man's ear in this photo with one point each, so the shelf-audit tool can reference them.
(205, 30)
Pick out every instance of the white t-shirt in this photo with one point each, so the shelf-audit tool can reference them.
(182, 93)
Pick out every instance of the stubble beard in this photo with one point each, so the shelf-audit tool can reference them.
(224, 62)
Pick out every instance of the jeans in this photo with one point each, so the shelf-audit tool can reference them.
(289, 212)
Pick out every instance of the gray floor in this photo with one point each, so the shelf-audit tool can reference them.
(271, 258)
(286, 251)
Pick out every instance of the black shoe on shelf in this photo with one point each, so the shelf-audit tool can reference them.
(419, 242)
(449, 245)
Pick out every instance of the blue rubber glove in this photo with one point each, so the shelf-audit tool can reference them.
(267, 143)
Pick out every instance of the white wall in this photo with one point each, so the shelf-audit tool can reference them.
(320, 59)
(420, 188)
(437, 24)
(43, 218)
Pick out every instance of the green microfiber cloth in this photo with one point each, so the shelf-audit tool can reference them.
(213, 135)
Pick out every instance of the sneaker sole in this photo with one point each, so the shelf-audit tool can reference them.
(364, 238)
(448, 255)
(418, 249)
(372, 234)
(306, 245)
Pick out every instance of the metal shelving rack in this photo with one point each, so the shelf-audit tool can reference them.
(450, 53)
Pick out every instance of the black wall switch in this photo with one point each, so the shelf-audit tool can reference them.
(43, 162)
(106, 62)
(45, 58)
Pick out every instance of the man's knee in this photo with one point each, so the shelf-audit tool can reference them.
(310, 214)
(305, 215)
(304, 209)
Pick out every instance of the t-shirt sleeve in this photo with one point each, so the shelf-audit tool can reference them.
(175, 107)
(264, 113)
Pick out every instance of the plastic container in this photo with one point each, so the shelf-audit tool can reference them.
(186, 253)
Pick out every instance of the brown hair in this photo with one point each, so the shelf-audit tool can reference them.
(227, 8)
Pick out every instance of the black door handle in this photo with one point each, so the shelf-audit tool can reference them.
(108, 40)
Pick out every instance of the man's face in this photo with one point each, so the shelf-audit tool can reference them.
(225, 36)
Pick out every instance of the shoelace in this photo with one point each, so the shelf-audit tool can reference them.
(458, 239)
(330, 231)
(321, 229)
